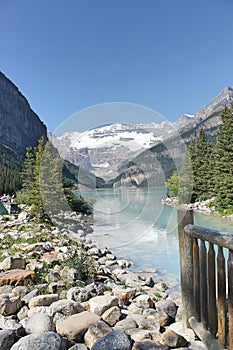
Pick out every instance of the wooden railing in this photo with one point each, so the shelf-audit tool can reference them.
(206, 281)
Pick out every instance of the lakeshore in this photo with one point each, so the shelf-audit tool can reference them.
(204, 207)
(43, 298)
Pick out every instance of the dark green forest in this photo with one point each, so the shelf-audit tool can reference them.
(10, 168)
(207, 168)
(44, 186)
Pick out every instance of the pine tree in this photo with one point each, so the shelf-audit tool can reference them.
(43, 184)
(202, 161)
(224, 163)
(36, 201)
(186, 179)
(51, 181)
(27, 175)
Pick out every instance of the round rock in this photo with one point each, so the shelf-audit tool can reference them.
(43, 300)
(39, 323)
(74, 327)
(38, 341)
(115, 340)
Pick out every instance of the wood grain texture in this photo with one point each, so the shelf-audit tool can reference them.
(196, 281)
(230, 297)
(222, 335)
(212, 307)
(186, 264)
(203, 284)
(221, 239)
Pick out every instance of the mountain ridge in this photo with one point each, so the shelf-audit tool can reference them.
(106, 158)
(120, 146)
(170, 153)
(20, 127)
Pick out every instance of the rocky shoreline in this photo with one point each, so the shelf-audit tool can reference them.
(59, 290)
(204, 207)
(201, 206)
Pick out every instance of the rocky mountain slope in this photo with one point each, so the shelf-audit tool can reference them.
(158, 163)
(20, 127)
(151, 148)
(106, 149)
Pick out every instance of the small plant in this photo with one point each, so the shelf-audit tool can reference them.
(80, 261)
(27, 283)
(122, 283)
(158, 296)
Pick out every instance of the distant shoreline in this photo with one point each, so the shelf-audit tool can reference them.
(203, 207)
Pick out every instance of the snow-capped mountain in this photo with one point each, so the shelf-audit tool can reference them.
(105, 149)
(135, 136)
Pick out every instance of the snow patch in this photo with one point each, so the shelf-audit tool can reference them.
(114, 135)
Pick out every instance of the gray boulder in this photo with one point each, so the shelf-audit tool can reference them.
(115, 340)
(39, 323)
(149, 345)
(65, 307)
(78, 294)
(7, 339)
(167, 306)
(30, 295)
(10, 324)
(126, 324)
(38, 341)
(78, 346)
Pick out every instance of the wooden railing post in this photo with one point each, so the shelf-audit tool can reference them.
(196, 281)
(222, 312)
(216, 319)
(185, 217)
(230, 298)
(203, 284)
(212, 306)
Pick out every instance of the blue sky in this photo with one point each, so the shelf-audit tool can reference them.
(67, 55)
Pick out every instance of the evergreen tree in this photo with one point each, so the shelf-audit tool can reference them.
(186, 179)
(201, 153)
(173, 184)
(224, 163)
(51, 181)
(10, 168)
(55, 195)
(43, 184)
(27, 175)
(35, 199)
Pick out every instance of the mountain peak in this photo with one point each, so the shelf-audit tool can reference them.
(20, 126)
(105, 149)
(226, 93)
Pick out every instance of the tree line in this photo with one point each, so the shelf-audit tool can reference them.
(10, 167)
(207, 169)
(44, 187)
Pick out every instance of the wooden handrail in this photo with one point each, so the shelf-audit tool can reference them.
(206, 281)
(221, 239)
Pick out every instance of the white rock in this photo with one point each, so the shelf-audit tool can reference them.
(101, 303)
(39, 323)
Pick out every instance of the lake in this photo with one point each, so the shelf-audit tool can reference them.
(135, 226)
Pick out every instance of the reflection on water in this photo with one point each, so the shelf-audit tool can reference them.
(134, 225)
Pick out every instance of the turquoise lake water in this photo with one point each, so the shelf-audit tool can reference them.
(134, 225)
